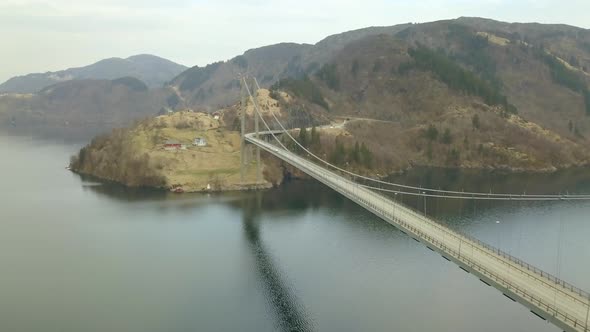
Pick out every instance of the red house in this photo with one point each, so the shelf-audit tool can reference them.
(172, 144)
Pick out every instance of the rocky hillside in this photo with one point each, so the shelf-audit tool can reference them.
(152, 70)
(485, 101)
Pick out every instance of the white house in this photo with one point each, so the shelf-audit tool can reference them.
(200, 141)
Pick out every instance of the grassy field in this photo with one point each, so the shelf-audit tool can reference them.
(215, 166)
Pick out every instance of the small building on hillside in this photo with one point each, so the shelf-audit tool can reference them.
(200, 141)
(216, 115)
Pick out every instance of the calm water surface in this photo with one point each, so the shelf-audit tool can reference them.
(80, 255)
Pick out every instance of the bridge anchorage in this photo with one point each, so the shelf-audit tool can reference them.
(545, 295)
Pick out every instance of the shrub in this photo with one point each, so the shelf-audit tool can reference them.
(431, 133)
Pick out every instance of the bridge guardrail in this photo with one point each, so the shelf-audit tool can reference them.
(513, 287)
(495, 250)
(503, 254)
(480, 268)
(510, 257)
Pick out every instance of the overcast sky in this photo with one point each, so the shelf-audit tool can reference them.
(49, 35)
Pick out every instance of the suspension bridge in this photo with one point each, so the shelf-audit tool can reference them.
(545, 295)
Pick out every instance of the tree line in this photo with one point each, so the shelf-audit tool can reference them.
(563, 76)
(455, 76)
(303, 88)
(358, 155)
(341, 155)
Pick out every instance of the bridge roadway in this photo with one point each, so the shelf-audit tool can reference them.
(547, 297)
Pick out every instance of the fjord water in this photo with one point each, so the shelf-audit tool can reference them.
(77, 254)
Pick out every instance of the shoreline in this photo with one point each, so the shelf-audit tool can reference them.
(291, 176)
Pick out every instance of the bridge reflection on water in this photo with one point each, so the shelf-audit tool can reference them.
(290, 313)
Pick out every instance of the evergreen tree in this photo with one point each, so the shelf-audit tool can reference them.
(338, 156)
(447, 138)
(453, 156)
(329, 74)
(355, 68)
(432, 133)
(377, 65)
(429, 151)
(475, 121)
(366, 156)
(303, 139)
(315, 138)
(355, 154)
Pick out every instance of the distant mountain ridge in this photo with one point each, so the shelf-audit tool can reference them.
(152, 70)
(216, 84)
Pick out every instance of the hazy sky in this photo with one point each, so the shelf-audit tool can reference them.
(48, 35)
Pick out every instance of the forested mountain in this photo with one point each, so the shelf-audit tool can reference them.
(455, 94)
(152, 70)
(79, 103)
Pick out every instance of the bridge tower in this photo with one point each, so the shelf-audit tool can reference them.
(244, 105)
(258, 168)
(242, 127)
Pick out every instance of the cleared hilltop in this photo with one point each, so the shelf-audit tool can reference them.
(161, 152)
(188, 150)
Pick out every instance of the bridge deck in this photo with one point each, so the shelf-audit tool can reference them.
(548, 298)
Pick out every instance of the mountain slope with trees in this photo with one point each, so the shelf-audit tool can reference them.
(444, 108)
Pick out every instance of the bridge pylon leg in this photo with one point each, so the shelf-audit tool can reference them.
(242, 129)
(256, 115)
